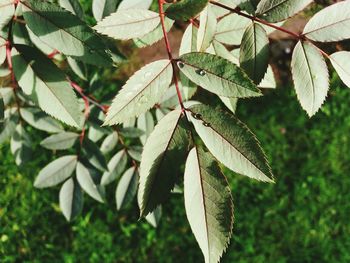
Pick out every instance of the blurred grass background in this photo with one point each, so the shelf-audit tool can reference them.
(304, 217)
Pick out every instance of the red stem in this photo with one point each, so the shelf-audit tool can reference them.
(238, 11)
(168, 49)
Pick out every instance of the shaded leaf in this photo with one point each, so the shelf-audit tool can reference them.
(94, 155)
(116, 166)
(161, 158)
(65, 32)
(71, 199)
(279, 10)
(206, 29)
(20, 145)
(145, 123)
(127, 188)
(109, 143)
(41, 78)
(87, 183)
(131, 132)
(40, 120)
(186, 9)
(72, 6)
(254, 52)
(103, 8)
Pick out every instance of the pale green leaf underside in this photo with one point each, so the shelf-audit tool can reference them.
(103, 8)
(60, 141)
(127, 188)
(254, 52)
(310, 75)
(189, 40)
(206, 29)
(56, 171)
(217, 75)
(330, 24)
(40, 120)
(115, 167)
(132, 4)
(7, 9)
(156, 173)
(208, 204)
(231, 142)
(155, 35)
(141, 92)
(71, 199)
(231, 28)
(128, 24)
(87, 183)
(40, 77)
(61, 30)
(279, 10)
(341, 63)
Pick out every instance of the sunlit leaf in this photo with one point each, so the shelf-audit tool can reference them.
(341, 62)
(71, 199)
(127, 188)
(60, 141)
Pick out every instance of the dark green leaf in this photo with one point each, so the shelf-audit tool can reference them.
(185, 9)
(94, 155)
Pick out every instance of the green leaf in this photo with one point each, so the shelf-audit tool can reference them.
(231, 142)
(310, 75)
(131, 132)
(145, 123)
(40, 77)
(103, 8)
(219, 49)
(7, 10)
(155, 35)
(86, 181)
(65, 32)
(279, 10)
(230, 103)
(254, 52)
(72, 6)
(56, 171)
(231, 28)
(162, 156)
(40, 120)
(208, 204)
(217, 75)
(141, 92)
(135, 4)
(71, 199)
(206, 29)
(185, 9)
(135, 152)
(94, 155)
(128, 24)
(269, 81)
(127, 188)
(109, 143)
(116, 166)
(341, 63)
(330, 24)
(20, 145)
(60, 141)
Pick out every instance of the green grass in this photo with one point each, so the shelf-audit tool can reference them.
(304, 217)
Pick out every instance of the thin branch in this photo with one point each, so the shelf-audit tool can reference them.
(261, 21)
(168, 48)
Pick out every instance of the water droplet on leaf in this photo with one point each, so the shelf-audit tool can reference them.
(206, 124)
(180, 64)
(197, 116)
(201, 72)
